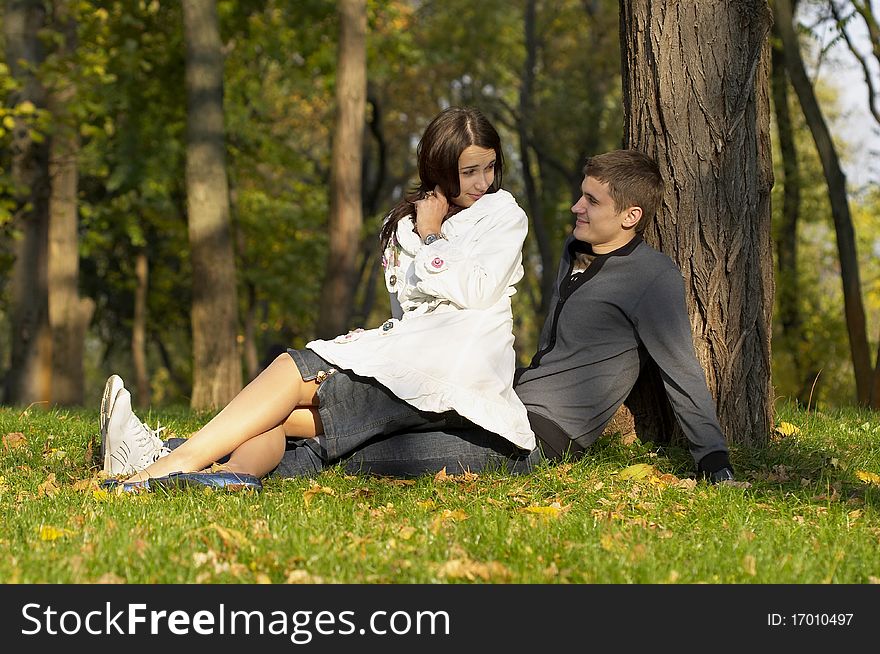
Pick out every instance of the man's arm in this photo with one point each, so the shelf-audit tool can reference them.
(662, 323)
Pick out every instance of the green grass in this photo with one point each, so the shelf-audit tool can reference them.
(810, 515)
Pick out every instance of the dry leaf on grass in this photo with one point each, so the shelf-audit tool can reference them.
(84, 484)
(317, 489)
(13, 440)
(445, 516)
(50, 533)
(552, 510)
(302, 577)
(637, 471)
(48, 487)
(473, 570)
(110, 578)
(785, 429)
(442, 476)
(868, 477)
(232, 538)
(399, 482)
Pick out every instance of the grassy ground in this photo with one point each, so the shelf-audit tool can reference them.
(626, 514)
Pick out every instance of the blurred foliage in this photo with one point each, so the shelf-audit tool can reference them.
(423, 55)
(826, 371)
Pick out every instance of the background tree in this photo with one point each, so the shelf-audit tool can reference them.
(69, 313)
(696, 99)
(788, 285)
(836, 184)
(29, 376)
(346, 212)
(845, 15)
(216, 365)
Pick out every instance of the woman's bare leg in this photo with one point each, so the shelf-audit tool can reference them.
(264, 404)
(261, 455)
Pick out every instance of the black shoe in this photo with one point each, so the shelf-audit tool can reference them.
(720, 476)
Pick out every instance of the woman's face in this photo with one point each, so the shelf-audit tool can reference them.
(476, 172)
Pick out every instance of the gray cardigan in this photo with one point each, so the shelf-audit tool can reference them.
(628, 305)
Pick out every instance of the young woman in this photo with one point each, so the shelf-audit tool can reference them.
(452, 255)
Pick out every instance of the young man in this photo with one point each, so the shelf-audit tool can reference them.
(616, 303)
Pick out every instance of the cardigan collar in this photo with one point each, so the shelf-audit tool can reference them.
(575, 246)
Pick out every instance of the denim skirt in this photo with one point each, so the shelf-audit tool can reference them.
(373, 431)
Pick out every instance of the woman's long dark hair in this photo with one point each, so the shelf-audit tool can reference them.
(445, 138)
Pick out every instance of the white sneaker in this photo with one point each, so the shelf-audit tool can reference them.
(111, 388)
(131, 446)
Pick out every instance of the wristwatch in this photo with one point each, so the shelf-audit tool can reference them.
(430, 238)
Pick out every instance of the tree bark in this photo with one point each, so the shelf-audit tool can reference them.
(216, 366)
(29, 379)
(695, 81)
(836, 182)
(346, 204)
(69, 314)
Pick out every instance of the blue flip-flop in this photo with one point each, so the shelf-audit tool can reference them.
(231, 481)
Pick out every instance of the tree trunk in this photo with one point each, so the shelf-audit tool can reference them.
(69, 314)
(216, 364)
(346, 212)
(836, 182)
(695, 98)
(787, 279)
(29, 378)
(524, 128)
(139, 329)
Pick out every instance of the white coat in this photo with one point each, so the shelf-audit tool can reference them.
(452, 349)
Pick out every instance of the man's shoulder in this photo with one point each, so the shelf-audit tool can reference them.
(652, 258)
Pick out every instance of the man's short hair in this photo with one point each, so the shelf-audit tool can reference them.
(633, 179)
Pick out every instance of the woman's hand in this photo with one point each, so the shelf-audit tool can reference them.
(430, 212)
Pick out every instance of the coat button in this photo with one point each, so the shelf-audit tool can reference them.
(392, 280)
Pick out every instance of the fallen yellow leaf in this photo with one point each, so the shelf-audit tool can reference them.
(302, 577)
(47, 532)
(471, 570)
(787, 429)
(553, 510)
(316, 489)
(406, 532)
(868, 477)
(232, 538)
(637, 471)
(447, 515)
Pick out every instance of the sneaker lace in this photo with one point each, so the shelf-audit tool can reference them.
(152, 442)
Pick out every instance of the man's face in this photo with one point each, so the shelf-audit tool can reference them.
(598, 222)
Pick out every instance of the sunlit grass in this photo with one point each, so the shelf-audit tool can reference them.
(809, 515)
